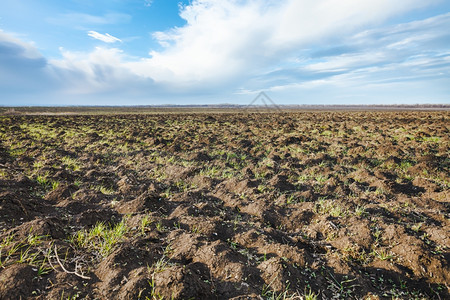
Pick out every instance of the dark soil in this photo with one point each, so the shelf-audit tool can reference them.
(331, 205)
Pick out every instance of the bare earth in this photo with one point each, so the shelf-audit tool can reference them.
(297, 205)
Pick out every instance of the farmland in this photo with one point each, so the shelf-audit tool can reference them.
(230, 205)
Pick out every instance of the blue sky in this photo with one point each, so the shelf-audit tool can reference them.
(142, 52)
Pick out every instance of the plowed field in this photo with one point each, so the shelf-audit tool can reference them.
(298, 205)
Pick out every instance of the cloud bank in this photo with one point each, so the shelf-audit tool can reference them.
(223, 39)
(21, 66)
(324, 48)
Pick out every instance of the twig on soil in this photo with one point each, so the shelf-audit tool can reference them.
(65, 270)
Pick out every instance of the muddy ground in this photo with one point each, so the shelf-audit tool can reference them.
(298, 205)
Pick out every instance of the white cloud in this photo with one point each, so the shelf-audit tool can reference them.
(107, 38)
(407, 51)
(101, 71)
(225, 41)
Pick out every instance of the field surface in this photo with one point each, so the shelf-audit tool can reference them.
(298, 205)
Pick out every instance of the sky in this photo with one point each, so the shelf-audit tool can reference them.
(157, 52)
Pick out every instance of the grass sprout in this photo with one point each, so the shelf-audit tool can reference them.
(102, 238)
